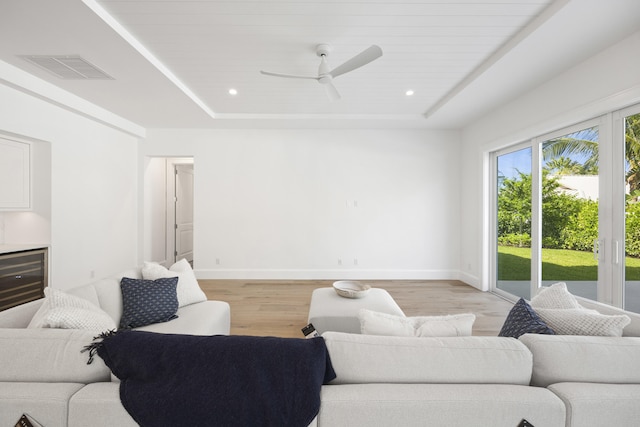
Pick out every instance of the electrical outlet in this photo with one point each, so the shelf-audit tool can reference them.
(339, 261)
(355, 261)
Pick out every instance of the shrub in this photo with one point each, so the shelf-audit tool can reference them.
(515, 239)
(582, 227)
(632, 235)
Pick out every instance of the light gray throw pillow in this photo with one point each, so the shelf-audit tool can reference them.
(376, 323)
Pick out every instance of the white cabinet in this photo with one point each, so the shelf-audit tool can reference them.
(15, 175)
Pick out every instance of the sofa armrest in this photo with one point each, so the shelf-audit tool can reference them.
(19, 316)
(48, 355)
(631, 330)
(569, 358)
(46, 402)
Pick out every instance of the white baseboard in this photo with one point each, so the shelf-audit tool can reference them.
(471, 280)
(352, 274)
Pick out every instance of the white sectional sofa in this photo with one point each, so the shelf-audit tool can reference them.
(549, 381)
(381, 381)
(44, 374)
(453, 381)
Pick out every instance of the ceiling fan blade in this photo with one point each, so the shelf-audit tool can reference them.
(332, 92)
(289, 76)
(363, 58)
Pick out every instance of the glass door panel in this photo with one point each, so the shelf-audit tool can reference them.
(513, 223)
(632, 213)
(569, 222)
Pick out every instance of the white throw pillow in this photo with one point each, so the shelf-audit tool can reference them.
(581, 321)
(188, 290)
(79, 318)
(376, 323)
(562, 312)
(64, 311)
(555, 296)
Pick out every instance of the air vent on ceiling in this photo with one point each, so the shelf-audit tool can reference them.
(71, 67)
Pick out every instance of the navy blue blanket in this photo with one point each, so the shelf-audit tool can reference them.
(187, 380)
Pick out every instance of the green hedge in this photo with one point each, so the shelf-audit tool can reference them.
(568, 222)
(632, 224)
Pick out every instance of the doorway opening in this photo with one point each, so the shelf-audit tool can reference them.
(183, 208)
(168, 202)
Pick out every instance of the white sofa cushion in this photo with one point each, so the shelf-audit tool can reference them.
(189, 291)
(597, 405)
(45, 403)
(106, 292)
(458, 360)
(205, 318)
(99, 405)
(62, 310)
(443, 405)
(376, 323)
(48, 355)
(566, 358)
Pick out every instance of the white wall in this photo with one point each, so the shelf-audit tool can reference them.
(605, 82)
(321, 203)
(92, 201)
(155, 204)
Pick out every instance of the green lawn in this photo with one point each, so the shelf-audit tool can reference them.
(557, 264)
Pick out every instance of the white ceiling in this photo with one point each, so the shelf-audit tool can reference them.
(462, 58)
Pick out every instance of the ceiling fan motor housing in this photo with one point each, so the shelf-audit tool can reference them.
(323, 50)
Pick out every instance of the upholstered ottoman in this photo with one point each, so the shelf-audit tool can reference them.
(330, 312)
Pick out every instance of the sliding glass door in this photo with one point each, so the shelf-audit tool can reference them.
(547, 220)
(513, 222)
(631, 291)
(567, 209)
(570, 188)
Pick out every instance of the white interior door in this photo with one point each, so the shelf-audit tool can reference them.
(184, 212)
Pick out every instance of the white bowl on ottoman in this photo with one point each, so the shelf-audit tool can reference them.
(351, 289)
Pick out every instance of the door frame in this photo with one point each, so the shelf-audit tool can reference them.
(177, 200)
(170, 215)
(604, 201)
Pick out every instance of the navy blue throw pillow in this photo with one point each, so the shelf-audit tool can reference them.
(522, 319)
(148, 301)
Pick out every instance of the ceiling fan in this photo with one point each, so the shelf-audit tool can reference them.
(326, 75)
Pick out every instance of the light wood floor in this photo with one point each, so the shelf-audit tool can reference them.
(280, 308)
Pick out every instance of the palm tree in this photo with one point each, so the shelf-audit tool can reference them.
(583, 143)
(565, 166)
(632, 152)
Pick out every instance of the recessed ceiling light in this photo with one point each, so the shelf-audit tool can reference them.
(409, 92)
(233, 91)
